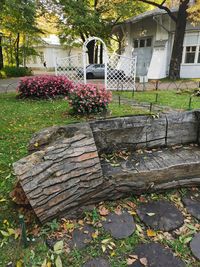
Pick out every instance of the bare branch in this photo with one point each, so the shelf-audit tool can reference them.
(161, 6)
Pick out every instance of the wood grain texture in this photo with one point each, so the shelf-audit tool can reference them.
(63, 174)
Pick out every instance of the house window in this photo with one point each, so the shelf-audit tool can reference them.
(136, 43)
(198, 56)
(190, 54)
(148, 42)
(144, 42)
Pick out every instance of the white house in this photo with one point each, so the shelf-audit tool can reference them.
(49, 51)
(150, 36)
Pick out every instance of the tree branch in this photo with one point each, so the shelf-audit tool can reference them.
(161, 6)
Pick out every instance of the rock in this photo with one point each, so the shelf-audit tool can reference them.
(192, 204)
(98, 262)
(82, 237)
(156, 255)
(119, 226)
(195, 246)
(160, 215)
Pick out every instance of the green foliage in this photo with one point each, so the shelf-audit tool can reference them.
(82, 19)
(11, 71)
(19, 28)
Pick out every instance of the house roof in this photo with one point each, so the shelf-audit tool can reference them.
(150, 13)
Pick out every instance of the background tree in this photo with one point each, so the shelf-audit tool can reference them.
(18, 23)
(81, 19)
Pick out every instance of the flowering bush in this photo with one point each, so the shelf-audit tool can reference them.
(44, 86)
(89, 98)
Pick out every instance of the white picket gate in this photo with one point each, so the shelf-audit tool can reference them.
(119, 70)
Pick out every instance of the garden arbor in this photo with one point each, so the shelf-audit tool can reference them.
(119, 71)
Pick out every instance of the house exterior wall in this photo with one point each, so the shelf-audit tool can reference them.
(155, 63)
(49, 54)
(190, 67)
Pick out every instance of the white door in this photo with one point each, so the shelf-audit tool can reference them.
(144, 55)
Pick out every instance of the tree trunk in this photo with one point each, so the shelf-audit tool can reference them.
(96, 53)
(101, 53)
(177, 51)
(65, 174)
(1, 52)
(17, 50)
(90, 47)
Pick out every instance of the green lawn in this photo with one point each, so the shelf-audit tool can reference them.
(19, 120)
(165, 98)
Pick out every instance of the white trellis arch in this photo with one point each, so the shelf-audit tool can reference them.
(120, 70)
(105, 56)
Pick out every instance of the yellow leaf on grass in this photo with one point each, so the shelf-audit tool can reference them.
(103, 248)
(95, 234)
(106, 240)
(151, 233)
(19, 263)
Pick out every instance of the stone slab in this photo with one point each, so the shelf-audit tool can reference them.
(119, 226)
(195, 246)
(156, 255)
(192, 204)
(160, 215)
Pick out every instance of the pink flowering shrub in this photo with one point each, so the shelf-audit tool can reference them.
(89, 98)
(44, 86)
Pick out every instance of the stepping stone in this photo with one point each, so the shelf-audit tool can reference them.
(156, 255)
(195, 246)
(119, 226)
(192, 204)
(98, 262)
(81, 237)
(160, 215)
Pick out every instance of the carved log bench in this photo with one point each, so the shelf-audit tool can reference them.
(64, 172)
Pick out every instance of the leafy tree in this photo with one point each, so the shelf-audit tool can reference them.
(18, 23)
(81, 19)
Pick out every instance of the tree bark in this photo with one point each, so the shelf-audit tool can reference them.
(65, 172)
(101, 53)
(177, 51)
(96, 53)
(17, 50)
(1, 52)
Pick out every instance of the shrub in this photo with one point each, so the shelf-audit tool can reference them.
(89, 98)
(44, 86)
(11, 71)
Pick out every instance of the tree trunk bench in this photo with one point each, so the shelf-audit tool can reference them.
(65, 172)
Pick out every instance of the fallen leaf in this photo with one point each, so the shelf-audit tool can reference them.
(131, 204)
(95, 234)
(151, 233)
(106, 241)
(132, 259)
(103, 211)
(151, 214)
(143, 261)
(118, 211)
(103, 248)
